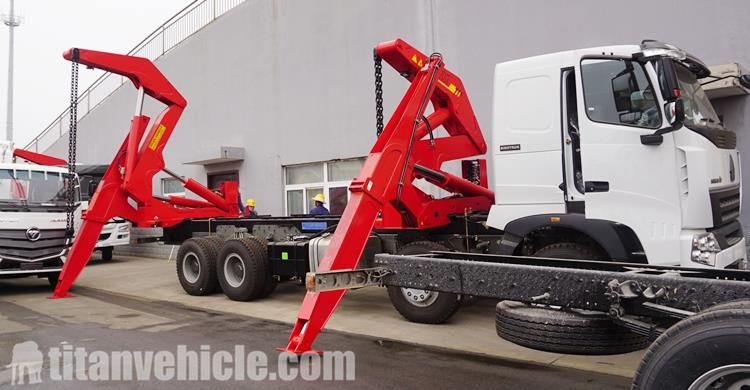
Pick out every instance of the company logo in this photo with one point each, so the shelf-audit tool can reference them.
(731, 169)
(33, 233)
(26, 363)
(69, 363)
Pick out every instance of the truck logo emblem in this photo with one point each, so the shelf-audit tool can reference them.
(507, 148)
(33, 234)
(731, 169)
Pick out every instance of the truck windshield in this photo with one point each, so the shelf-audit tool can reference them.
(33, 187)
(698, 109)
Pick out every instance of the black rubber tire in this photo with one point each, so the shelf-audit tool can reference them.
(261, 246)
(205, 253)
(214, 239)
(568, 250)
(52, 279)
(571, 332)
(439, 311)
(216, 243)
(694, 346)
(251, 286)
(734, 304)
(107, 253)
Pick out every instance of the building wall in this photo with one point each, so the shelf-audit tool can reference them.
(291, 81)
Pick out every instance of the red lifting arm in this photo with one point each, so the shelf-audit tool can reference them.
(39, 158)
(401, 155)
(126, 188)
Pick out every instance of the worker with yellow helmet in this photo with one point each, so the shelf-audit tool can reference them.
(250, 208)
(319, 209)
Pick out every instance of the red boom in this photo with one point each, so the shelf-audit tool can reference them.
(126, 188)
(401, 155)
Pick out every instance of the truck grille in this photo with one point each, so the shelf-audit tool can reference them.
(729, 234)
(725, 205)
(15, 244)
(723, 139)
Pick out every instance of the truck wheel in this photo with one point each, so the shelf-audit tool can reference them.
(242, 269)
(734, 304)
(423, 306)
(53, 278)
(705, 351)
(261, 245)
(568, 250)
(107, 253)
(575, 332)
(196, 266)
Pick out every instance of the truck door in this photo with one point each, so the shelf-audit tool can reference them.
(526, 140)
(625, 181)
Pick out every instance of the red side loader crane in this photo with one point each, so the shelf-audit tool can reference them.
(383, 193)
(126, 188)
(406, 150)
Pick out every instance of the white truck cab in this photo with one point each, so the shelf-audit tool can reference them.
(33, 218)
(615, 153)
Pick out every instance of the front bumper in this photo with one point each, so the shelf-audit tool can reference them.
(13, 268)
(111, 235)
(733, 257)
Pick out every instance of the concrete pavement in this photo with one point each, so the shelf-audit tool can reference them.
(365, 312)
(105, 322)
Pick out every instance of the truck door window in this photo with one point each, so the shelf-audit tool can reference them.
(618, 91)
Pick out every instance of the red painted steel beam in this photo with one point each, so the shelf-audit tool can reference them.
(385, 184)
(39, 158)
(126, 187)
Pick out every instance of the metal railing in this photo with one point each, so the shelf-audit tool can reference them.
(182, 25)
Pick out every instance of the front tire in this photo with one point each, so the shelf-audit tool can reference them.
(107, 253)
(423, 306)
(52, 279)
(568, 250)
(705, 351)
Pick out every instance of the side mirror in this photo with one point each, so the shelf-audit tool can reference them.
(745, 80)
(675, 112)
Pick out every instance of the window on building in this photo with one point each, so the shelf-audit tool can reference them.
(618, 91)
(331, 178)
(172, 186)
(215, 179)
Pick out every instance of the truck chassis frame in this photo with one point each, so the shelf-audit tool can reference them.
(644, 298)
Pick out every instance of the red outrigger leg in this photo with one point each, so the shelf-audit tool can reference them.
(126, 188)
(402, 153)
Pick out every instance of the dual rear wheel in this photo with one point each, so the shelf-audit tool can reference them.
(243, 269)
(237, 267)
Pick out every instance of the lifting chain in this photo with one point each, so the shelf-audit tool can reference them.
(70, 181)
(378, 92)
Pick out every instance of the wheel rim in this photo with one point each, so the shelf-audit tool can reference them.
(729, 377)
(191, 267)
(419, 298)
(234, 270)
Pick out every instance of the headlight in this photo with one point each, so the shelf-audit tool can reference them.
(123, 228)
(705, 247)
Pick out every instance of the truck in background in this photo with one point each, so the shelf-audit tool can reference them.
(33, 217)
(116, 232)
